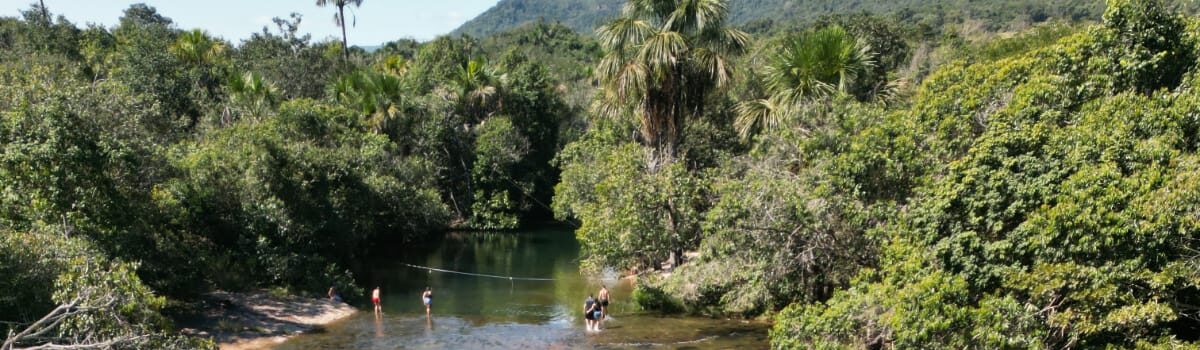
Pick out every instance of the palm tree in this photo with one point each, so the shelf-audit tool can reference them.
(811, 67)
(477, 87)
(205, 63)
(379, 96)
(339, 18)
(45, 11)
(394, 65)
(663, 58)
(252, 94)
(195, 47)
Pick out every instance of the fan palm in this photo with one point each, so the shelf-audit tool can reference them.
(197, 48)
(477, 87)
(380, 97)
(663, 58)
(810, 67)
(339, 18)
(205, 60)
(253, 94)
(394, 65)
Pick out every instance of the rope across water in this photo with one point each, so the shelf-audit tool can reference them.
(510, 278)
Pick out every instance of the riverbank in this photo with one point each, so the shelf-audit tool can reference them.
(259, 320)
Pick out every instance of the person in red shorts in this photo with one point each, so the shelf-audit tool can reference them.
(375, 300)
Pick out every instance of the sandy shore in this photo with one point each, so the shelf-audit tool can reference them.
(259, 320)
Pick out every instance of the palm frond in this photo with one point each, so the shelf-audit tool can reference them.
(610, 65)
(696, 15)
(729, 41)
(623, 32)
(753, 116)
(607, 105)
(714, 65)
(663, 49)
(631, 81)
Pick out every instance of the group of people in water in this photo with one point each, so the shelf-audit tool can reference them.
(426, 298)
(595, 308)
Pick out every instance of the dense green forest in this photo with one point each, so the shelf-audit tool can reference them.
(983, 174)
(145, 164)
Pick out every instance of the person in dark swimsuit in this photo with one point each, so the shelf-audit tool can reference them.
(603, 296)
(590, 307)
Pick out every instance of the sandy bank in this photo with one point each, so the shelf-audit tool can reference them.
(260, 320)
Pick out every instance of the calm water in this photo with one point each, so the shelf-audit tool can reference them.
(485, 313)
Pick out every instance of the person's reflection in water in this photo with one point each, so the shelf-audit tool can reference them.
(379, 326)
(429, 326)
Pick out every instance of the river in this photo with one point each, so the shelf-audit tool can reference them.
(471, 312)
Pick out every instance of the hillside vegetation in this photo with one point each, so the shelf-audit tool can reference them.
(144, 165)
(926, 178)
(991, 15)
(1032, 192)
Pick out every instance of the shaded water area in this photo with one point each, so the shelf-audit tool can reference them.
(472, 312)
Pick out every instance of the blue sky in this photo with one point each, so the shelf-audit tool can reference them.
(379, 21)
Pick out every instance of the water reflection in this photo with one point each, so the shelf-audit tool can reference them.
(485, 313)
(378, 326)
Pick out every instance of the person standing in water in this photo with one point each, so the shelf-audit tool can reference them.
(375, 300)
(590, 307)
(427, 298)
(334, 296)
(603, 296)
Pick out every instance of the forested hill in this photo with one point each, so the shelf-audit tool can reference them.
(584, 15)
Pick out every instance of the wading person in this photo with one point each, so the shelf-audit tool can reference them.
(375, 300)
(427, 299)
(590, 307)
(334, 296)
(603, 296)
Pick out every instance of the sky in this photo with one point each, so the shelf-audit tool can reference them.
(378, 21)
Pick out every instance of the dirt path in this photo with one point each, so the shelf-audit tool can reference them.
(242, 321)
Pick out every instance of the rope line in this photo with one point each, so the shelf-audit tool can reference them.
(510, 278)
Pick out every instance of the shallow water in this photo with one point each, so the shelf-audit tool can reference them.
(471, 312)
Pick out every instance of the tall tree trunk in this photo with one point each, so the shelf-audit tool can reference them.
(661, 126)
(45, 12)
(342, 21)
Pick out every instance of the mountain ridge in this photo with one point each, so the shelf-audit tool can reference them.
(584, 15)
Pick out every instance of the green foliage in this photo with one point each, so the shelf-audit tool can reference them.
(197, 160)
(443, 102)
(662, 62)
(37, 32)
(584, 16)
(566, 53)
(806, 70)
(299, 191)
(107, 301)
(631, 217)
(1154, 52)
(1035, 192)
(499, 149)
(297, 67)
(142, 59)
(380, 97)
(84, 156)
(1062, 217)
(31, 264)
(580, 16)
(1033, 39)
(652, 298)
(250, 96)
